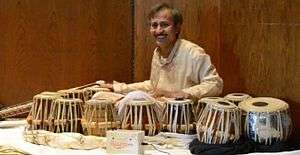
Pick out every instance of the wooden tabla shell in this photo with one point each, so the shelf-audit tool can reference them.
(39, 114)
(140, 115)
(65, 115)
(236, 98)
(219, 123)
(178, 116)
(268, 120)
(99, 116)
(202, 103)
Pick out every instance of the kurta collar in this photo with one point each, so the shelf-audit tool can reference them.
(169, 59)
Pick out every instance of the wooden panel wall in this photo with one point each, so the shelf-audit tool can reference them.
(58, 44)
(201, 25)
(260, 43)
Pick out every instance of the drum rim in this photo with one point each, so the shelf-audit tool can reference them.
(140, 102)
(98, 101)
(46, 96)
(218, 105)
(209, 99)
(274, 103)
(74, 100)
(173, 101)
(237, 97)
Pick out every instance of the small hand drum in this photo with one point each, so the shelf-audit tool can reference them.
(40, 110)
(267, 120)
(236, 98)
(65, 115)
(202, 103)
(219, 123)
(178, 116)
(99, 116)
(140, 115)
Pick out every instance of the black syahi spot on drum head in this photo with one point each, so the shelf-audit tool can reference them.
(260, 104)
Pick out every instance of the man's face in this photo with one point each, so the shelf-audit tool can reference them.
(163, 29)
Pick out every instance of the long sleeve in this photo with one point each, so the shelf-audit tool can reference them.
(204, 72)
(125, 88)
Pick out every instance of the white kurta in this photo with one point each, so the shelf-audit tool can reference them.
(188, 68)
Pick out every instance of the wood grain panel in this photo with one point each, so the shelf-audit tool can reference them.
(57, 44)
(201, 25)
(260, 49)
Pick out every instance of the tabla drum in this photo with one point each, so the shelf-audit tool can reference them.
(236, 98)
(202, 103)
(74, 94)
(267, 120)
(140, 115)
(219, 123)
(90, 91)
(40, 111)
(178, 116)
(65, 115)
(99, 116)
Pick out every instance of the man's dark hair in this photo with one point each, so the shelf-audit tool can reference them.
(177, 17)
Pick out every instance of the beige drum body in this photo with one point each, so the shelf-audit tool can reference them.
(65, 115)
(267, 120)
(39, 114)
(202, 103)
(178, 117)
(140, 115)
(99, 116)
(219, 123)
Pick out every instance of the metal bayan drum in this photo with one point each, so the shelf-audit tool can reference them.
(99, 116)
(219, 123)
(178, 116)
(202, 103)
(267, 120)
(236, 98)
(140, 115)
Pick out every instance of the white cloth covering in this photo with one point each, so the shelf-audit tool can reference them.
(14, 137)
(138, 95)
(188, 68)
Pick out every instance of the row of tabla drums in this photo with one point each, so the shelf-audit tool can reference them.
(60, 111)
(262, 119)
(218, 119)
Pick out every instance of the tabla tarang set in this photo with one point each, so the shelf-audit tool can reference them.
(140, 115)
(178, 116)
(65, 115)
(38, 117)
(219, 123)
(202, 103)
(267, 120)
(236, 98)
(99, 116)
